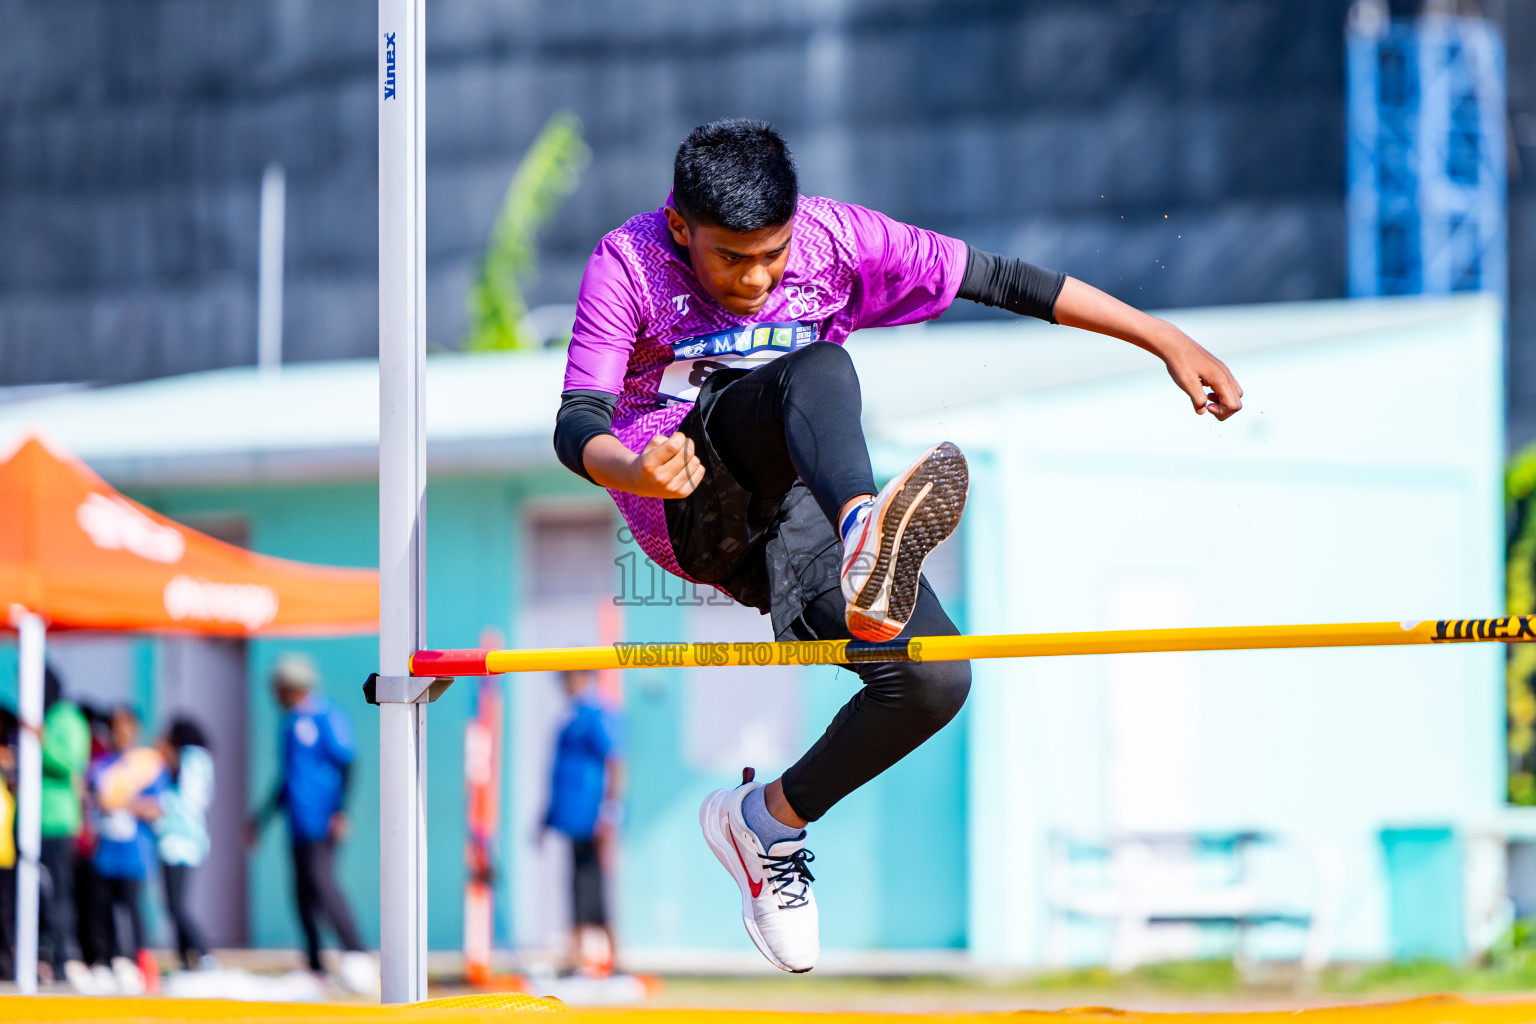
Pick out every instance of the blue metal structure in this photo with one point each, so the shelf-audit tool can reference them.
(1427, 173)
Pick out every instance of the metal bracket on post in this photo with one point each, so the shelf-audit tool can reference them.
(404, 689)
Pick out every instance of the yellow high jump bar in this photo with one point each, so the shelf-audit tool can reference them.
(1510, 629)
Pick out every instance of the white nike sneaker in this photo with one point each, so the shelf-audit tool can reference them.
(777, 904)
(883, 556)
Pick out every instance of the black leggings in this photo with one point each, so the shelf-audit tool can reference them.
(57, 934)
(189, 937)
(8, 924)
(92, 912)
(589, 903)
(123, 895)
(797, 418)
(900, 705)
(315, 889)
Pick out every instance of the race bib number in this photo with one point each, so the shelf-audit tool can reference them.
(740, 348)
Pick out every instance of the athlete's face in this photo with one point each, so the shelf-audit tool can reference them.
(739, 271)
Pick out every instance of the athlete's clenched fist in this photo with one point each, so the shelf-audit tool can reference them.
(668, 468)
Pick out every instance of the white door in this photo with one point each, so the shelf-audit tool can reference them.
(568, 594)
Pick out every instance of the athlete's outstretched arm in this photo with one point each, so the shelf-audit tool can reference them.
(1191, 367)
(1028, 290)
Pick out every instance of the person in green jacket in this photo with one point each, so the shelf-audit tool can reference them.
(66, 743)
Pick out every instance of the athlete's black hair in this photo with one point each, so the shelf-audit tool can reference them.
(735, 174)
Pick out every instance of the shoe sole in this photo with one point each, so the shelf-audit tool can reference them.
(920, 516)
(710, 814)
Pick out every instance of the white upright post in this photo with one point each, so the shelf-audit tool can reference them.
(29, 794)
(269, 270)
(402, 495)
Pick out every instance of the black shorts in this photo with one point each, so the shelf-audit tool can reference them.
(589, 904)
(773, 554)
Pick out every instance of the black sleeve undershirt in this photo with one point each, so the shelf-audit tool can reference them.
(583, 415)
(990, 279)
(1010, 284)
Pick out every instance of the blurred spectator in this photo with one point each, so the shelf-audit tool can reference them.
(125, 784)
(181, 830)
(315, 758)
(8, 726)
(66, 750)
(94, 935)
(585, 796)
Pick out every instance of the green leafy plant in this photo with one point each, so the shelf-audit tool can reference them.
(545, 178)
(1520, 586)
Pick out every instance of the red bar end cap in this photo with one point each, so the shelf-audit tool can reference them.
(449, 663)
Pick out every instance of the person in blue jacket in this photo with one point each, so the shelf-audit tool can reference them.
(585, 797)
(315, 757)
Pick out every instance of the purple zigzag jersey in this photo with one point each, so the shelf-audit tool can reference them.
(647, 331)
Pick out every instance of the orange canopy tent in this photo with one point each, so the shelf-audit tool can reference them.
(75, 554)
(81, 556)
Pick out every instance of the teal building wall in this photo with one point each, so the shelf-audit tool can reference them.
(866, 848)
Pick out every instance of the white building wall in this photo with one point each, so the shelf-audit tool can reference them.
(1360, 482)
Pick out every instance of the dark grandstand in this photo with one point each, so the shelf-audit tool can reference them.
(1175, 152)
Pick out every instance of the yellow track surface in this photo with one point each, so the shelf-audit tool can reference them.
(1429, 1010)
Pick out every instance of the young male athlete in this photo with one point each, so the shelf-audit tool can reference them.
(708, 390)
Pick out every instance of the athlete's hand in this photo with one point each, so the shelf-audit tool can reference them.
(1191, 367)
(1194, 370)
(668, 468)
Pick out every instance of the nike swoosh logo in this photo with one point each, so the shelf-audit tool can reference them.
(756, 887)
(863, 535)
